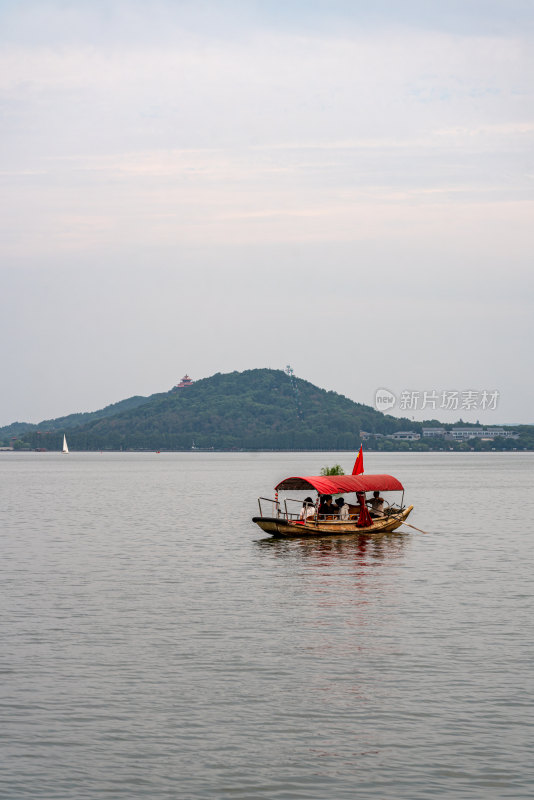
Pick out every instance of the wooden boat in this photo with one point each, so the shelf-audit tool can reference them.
(286, 522)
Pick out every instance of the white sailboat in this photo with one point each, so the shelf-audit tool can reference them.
(65, 448)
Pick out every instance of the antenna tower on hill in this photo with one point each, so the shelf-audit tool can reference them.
(295, 388)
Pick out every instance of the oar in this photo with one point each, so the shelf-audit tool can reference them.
(413, 526)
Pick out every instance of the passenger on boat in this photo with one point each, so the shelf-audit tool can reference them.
(327, 508)
(343, 509)
(377, 505)
(308, 508)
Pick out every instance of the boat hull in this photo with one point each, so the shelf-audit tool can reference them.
(282, 528)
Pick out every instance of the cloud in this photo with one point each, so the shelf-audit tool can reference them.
(52, 21)
(373, 154)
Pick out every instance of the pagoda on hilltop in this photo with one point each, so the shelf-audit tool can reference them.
(186, 381)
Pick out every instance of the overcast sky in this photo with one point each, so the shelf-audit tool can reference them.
(208, 186)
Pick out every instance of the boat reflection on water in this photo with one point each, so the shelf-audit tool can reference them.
(357, 546)
(343, 592)
(345, 571)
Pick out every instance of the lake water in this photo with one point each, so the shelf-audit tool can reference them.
(154, 644)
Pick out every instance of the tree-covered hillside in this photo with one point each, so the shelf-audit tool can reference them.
(259, 409)
(72, 420)
(256, 409)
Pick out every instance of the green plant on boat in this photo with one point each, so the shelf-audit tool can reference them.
(337, 469)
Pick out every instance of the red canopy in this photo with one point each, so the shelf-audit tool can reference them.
(339, 484)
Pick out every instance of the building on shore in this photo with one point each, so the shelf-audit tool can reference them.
(430, 432)
(455, 434)
(464, 434)
(404, 436)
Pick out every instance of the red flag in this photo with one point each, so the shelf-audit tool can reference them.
(358, 464)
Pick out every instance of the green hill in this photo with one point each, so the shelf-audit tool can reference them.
(260, 409)
(72, 420)
(256, 409)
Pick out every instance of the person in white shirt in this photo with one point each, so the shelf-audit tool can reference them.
(308, 508)
(343, 508)
(377, 505)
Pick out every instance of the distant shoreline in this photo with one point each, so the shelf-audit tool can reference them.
(209, 451)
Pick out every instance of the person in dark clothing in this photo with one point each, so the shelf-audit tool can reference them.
(327, 508)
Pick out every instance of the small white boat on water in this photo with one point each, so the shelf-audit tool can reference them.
(65, 446)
